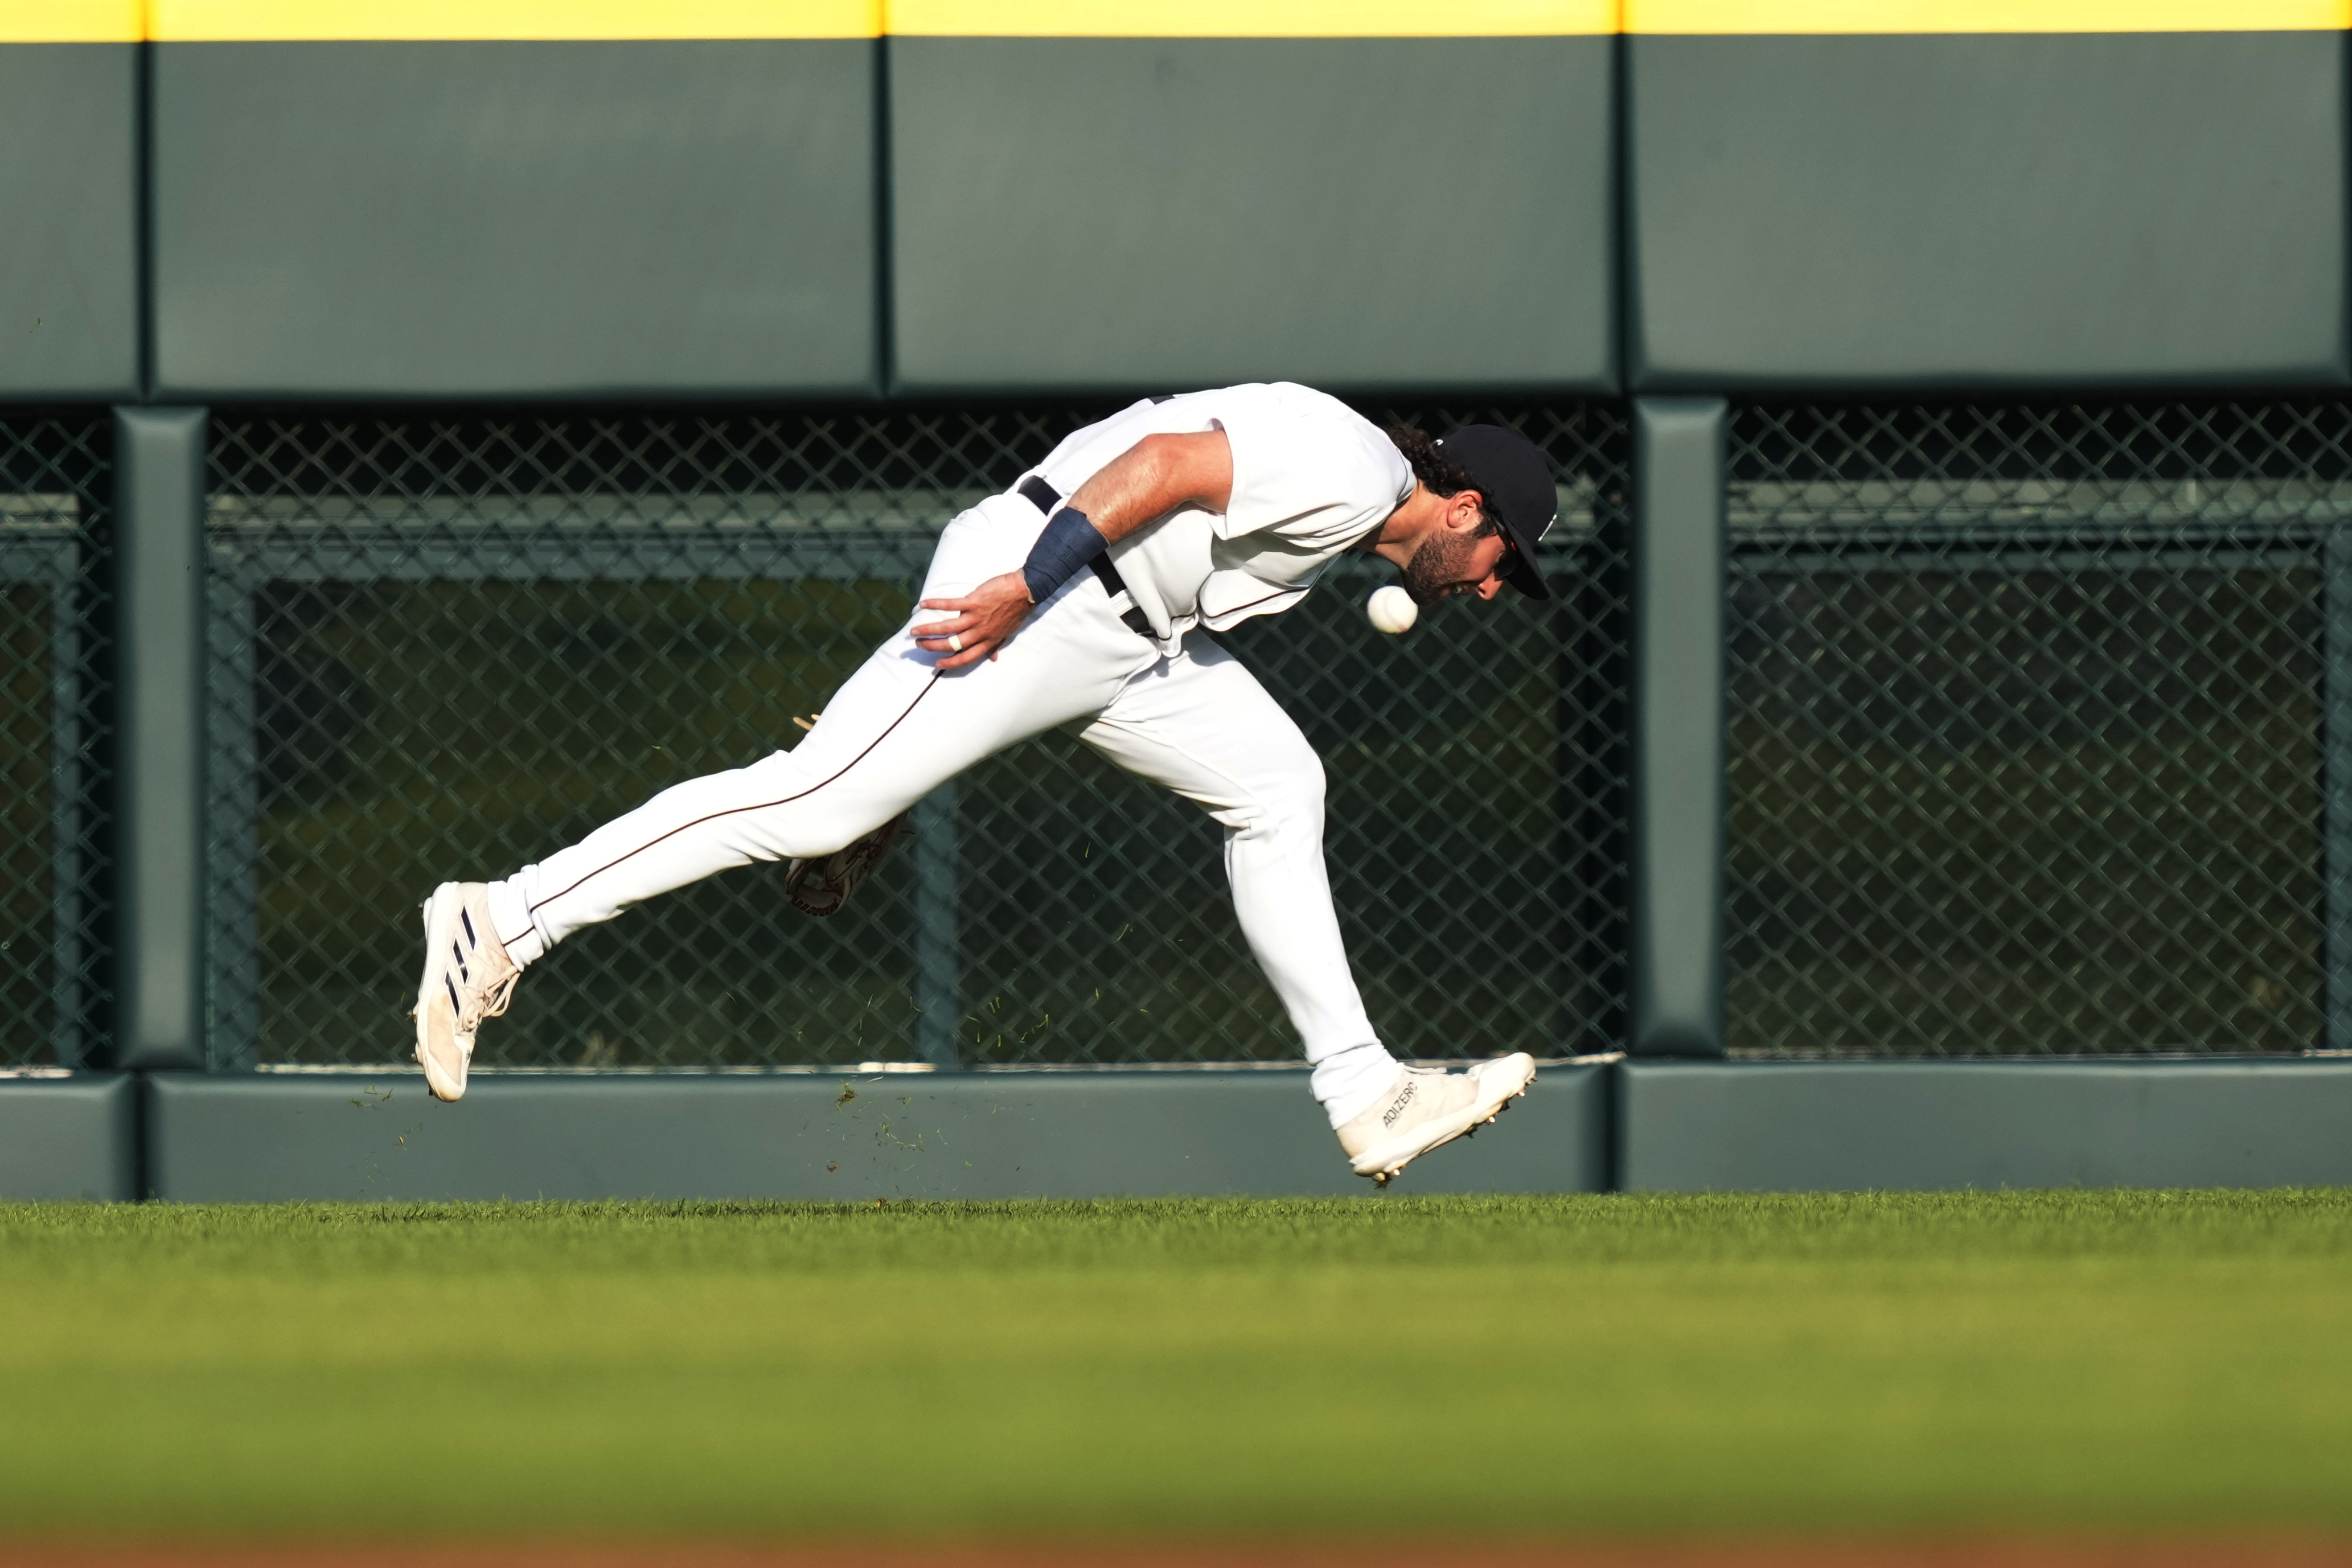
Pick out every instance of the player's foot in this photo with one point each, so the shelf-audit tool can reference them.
(821, 885)
(467, 978)
(1428, 1106)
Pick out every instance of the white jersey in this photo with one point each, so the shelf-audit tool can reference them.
(1311, 479)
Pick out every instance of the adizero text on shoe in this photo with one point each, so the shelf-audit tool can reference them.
(821, 885)
(467, 978)
(1426, 1107)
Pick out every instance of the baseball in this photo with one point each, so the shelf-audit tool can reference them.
(1391, 609)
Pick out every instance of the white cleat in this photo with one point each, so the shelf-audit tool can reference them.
(1427, 1106)
(467, 978)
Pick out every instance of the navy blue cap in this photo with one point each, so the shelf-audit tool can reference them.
(1516, 483)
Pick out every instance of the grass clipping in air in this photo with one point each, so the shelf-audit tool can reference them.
(1382, 1369)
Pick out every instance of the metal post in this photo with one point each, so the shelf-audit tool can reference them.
(159, 742)
(938, 961)
(1678, 839)
(2335, 788)
(233, 814)
(68, 1001)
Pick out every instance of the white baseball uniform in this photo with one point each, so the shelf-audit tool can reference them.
(1311, 479)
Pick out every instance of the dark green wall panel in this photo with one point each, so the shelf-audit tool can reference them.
(160, 834)
(69, 1138)
(1117, 213)
(1853, 1126)
(68, 259)
(1676, 973)
(487, 219)
(1946, 211)
(260, 1138)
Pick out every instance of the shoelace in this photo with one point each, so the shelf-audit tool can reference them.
(490, 1006)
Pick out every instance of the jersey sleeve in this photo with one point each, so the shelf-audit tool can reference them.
(1305, 466)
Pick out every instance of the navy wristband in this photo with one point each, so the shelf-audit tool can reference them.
(1068, 543)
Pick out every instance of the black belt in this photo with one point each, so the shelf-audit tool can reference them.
(1045, 498)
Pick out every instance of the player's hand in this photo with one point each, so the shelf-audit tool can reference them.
(979, 624)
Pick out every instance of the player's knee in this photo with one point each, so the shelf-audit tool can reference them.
(1289, 803)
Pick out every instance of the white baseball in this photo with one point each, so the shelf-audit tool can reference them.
(1391, 609)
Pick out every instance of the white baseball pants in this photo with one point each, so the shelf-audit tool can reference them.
(1198, 723)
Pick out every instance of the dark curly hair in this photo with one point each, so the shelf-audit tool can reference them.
(1439, 474)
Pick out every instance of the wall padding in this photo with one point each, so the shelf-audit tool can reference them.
(1137, 213)
(69, 257)
(69, 1139)
(263, 1138)
(637, 219)
(1955, 211)
(1924, 1125)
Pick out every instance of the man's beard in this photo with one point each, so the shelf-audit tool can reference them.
(1442, 561)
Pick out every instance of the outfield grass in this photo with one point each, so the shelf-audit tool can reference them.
(2142, 1362)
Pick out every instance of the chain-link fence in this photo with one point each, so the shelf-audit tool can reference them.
(54, 489)
(443, 646)
(2030, 713)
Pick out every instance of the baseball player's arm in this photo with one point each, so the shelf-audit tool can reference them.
(1142, 484)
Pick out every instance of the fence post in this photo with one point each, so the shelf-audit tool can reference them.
(1676, 991)
(159, 740)
(2336, 784)
(939, 967)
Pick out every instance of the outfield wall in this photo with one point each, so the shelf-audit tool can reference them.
(2095, 248)
(1629, 1126)
(217, 201)
(72, 1137)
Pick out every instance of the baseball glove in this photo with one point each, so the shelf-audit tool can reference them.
(820, 887)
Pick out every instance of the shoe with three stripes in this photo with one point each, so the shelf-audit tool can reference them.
(467, 978)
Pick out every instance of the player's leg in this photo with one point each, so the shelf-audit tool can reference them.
(891, 732)
(894, 731)
(1202, 726)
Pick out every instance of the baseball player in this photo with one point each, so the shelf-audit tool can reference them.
(1084, 597)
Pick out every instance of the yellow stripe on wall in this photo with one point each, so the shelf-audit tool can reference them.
(192, 21)
(1985, 16)
(71, 21)
(1247, 18)
(201, 21)
(128, 21)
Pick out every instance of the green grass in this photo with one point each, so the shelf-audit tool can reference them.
(2140, 1362)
